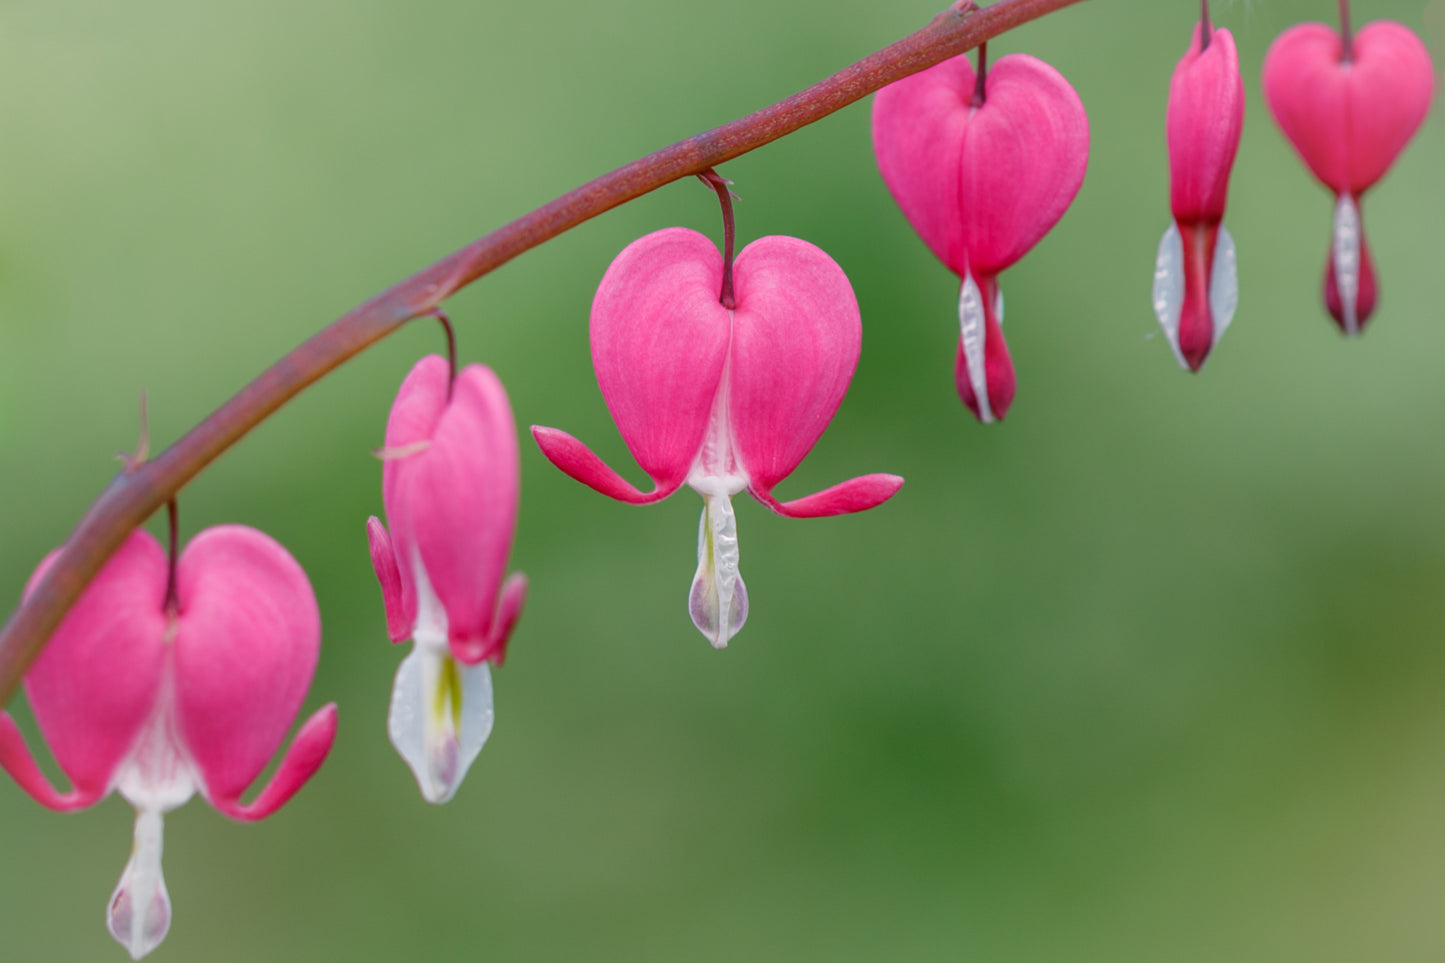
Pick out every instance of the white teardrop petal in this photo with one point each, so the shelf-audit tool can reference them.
(971, 334)
(718, 600)
(1345, 244)
(1169, 288)
(139, 912)
(441, 715)
(1223, 285)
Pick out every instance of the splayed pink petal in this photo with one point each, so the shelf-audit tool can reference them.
(579, 462)
(308, 751)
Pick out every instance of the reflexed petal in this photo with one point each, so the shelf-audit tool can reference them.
(383, 560)
(718, 600)
(246, 645)
(16, 760)
(441, 715)
(796, 338)
(853, 495)
(307, 753)
(659, 342)
(94, 685)
(578, 461)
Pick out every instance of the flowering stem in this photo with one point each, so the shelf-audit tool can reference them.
(1206, 29)
(715, 180)
(134, 494)
(1347, 50)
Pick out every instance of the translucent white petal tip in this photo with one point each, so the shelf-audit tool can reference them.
(441, 715)
(1169, 289)
(718, 601)
(139, 913)
(1345, 253)
(1223, 284)
(971, 333)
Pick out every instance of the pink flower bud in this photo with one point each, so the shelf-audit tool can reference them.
(450, 485)
(1348, 114)
(721, 399)
(1195, 284)
(160, 703)
(982, 183)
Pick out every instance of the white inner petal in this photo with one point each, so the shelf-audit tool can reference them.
(718, 601)
(1345, 248)
(1169, 288)
(1223, 284)
(441, 710)
(139, 912)
(972, 332)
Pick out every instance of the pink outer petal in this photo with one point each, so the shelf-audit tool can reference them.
(94, 685)
(383, 559)
(1204, 122)
(16, 760)
(579, 461)
(659, 343)
(853, 495)
(307, 753)
(796, 338)
(455, 504)
(1348, 122)
(246, 643)
(982, 185)
(509, 610)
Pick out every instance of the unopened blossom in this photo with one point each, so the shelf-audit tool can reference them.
(1196, 287)
(982, 170)
(159, 696)
(1349, 105)
(450, 485)
(721, 399)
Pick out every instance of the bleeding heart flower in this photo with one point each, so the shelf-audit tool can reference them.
(982, 172)
(721, 399)
(1349, 106)
(1196, 288)
(158, 696)
(450, 485)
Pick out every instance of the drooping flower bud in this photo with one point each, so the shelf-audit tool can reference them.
(982, 172)
(1349, 105)
(160, 699)
(450, 485)
(1195, 283)
(721, 399)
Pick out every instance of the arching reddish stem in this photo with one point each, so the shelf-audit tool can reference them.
(137, 492)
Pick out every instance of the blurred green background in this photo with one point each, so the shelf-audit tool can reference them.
(1154, 671)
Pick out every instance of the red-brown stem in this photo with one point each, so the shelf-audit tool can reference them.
(446, 323)
(1206, 29)
(1347, 50)
(173, 597)
(715, 180)
(980, 93)
(137, 492)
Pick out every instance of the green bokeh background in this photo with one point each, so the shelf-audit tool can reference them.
(1154, 671)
